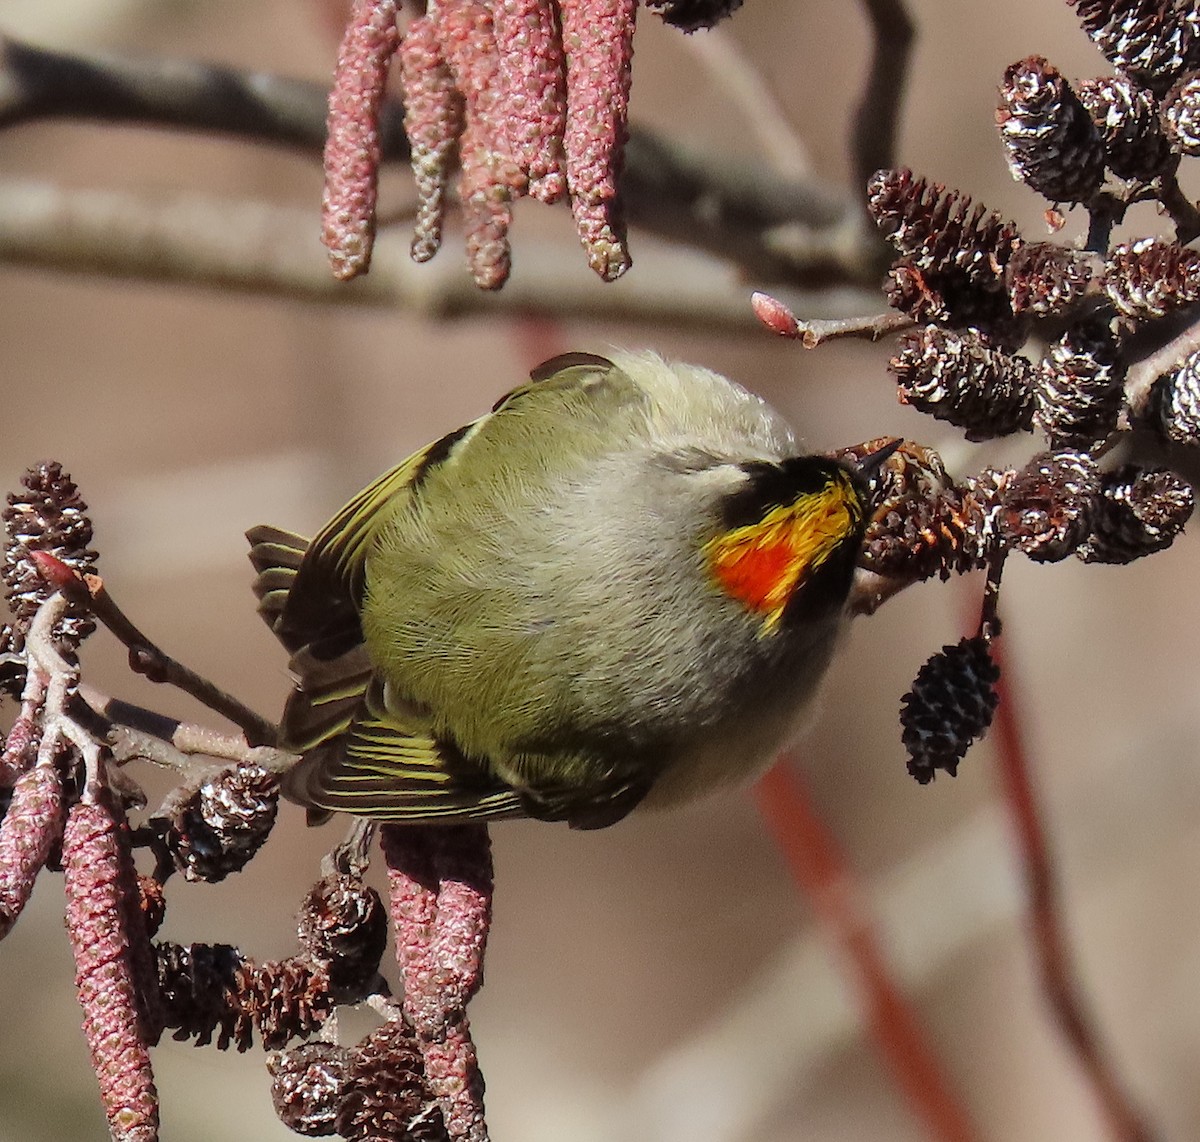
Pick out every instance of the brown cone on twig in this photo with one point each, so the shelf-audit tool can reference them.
(950, 705)
(1046, 508)
(1050, 140)
(218, 827)
(1140, 511)
(1127, 119)
(1080, 387)
(307, 1087)
(47, 514)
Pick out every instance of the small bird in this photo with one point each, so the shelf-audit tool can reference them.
(621, 587)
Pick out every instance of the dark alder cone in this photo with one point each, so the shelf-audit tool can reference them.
(937, 229)
(343, 925)
(385, 1096)
(1080, 387)
(1149, 278)
(1150, 40)
(199, 989)
(47, 514)
(1175, 402)
(1139, 512)
(691, 15)
(1127, 118)
(945, 532)
(1046, 508)
(220, 826)
(12, 665)
(956, 377)
(1181, 115)
(1045, 279)
(152, 901)
(950, 705)
(953, 299)
(1050, 141)
(286, 999)
(307, 1085)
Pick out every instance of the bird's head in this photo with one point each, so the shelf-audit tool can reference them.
(790, 536)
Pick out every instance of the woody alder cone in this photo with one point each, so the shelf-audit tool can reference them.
(1176, 402)
(1127, 118)
(1079, 391)
(950, 705)
(1181, 115)
(307, 1083)
(1050, 140)
(1138, 513)
(1046, 509)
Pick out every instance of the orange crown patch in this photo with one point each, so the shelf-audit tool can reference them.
(764, 563)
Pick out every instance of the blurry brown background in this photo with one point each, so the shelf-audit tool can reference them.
(662, 980)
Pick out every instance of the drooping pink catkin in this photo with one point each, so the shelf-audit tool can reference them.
(441, 891)
(598, 41)
(529, 45)
(97, 923)
(490, 179)
(32, 824)
(352, 142)
(433, 120)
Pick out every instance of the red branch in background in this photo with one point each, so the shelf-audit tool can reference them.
(1125, 1121)
(822, 873)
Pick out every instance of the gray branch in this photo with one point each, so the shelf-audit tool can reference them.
(775, 229)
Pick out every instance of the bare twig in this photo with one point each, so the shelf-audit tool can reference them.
(1182, 210)
(145, 657)
(878, 113)
(727, 65)
(776, 228)
(1063, 991)
(821, 871)
(780, 320)
(1140, 378)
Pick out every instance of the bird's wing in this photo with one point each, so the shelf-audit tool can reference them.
(387, 768)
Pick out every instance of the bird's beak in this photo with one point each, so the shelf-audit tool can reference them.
(870, 464)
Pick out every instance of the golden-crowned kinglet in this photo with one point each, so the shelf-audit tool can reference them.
(621, 586)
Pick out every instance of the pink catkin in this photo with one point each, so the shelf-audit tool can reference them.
(490, 178)
(18, 751)
(598, 40)
(441, 890)
(352, 142)
(533, 91)
(32, 824)
(97, 916)
(433, 121)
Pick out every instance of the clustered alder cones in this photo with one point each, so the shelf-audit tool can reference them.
(1011, 334)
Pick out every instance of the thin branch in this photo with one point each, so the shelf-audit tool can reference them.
(823, 874)
(1181, 209)
(800, 232)
(1063, 990)
(729, 67)
(877, 117)
(146, 658)
(779, 319)
(1140, 377)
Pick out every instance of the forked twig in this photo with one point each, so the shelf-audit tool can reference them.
(145, 657)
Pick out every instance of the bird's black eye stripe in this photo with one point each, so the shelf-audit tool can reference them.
(437, 453)
(776, 485)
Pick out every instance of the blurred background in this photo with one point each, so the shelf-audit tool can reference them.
(664, 979)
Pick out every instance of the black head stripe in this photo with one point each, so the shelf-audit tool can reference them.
(777, 485)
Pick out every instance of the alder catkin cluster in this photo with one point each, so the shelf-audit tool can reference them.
(1014, 335)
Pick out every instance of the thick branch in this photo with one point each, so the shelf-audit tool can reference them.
(775, 228)
(260, 248)
(877, 116)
